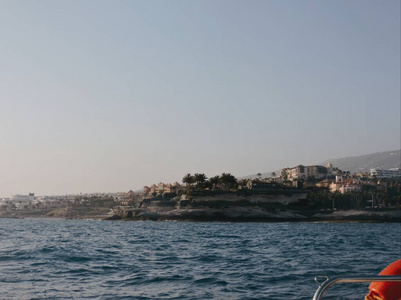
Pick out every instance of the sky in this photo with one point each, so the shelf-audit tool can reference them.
(109, 96)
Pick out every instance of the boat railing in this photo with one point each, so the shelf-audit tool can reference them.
(331, 281)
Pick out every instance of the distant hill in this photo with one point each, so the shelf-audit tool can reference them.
(363, 163)
(356, 164)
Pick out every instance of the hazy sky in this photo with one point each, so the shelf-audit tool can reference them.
(107, 96)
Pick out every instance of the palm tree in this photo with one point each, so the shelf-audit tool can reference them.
(188, 180)
(214, 182)
(228, 181)
(200, 180)
(259, 175)
(273, 174)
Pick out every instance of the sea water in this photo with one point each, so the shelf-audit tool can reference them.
(83, 259)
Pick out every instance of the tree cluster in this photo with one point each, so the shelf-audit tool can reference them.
(369, 196)
(200, 182)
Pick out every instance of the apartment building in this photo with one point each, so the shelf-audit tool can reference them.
(303, 172)
(162, 188)
(389, 173)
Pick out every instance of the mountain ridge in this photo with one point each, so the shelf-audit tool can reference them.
(363, 163)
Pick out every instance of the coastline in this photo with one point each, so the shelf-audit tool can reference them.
(216, 207)
(213, 215)
(210, 215)
(247, 207)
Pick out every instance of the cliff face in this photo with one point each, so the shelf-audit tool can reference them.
(244, 208)
(217, 207)
(254, 199)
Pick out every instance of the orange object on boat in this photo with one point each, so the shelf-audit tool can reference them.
(390, 290)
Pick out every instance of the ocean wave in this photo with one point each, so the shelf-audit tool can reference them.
(177, 260)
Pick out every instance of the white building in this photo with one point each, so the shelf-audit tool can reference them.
(21, 201)
(349, 188)
(346, 185)
(390, 173)
(303, 172)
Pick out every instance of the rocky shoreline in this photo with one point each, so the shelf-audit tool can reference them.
(257, 215)
(61, 213)
(232, 207)
(225, 207)
(220, 215)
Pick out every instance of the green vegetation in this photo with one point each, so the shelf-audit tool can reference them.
(378, 193)
(199, 182)
(385, 194)
(93, 201)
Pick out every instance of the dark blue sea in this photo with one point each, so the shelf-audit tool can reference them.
(83, 259)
